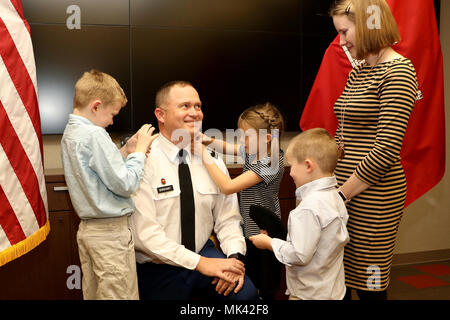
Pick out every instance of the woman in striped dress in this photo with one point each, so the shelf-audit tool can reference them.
(373, 113)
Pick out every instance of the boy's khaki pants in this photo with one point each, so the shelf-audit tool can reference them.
(107, 258)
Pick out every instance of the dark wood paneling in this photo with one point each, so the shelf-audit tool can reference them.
(41, 273)
(58, 197)
(286, 193)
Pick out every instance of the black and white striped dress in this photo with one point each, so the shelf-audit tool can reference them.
(264, 193)
(377, 103)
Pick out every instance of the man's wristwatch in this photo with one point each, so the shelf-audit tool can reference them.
(238, 256)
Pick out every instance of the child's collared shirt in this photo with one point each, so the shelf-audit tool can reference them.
(314, 249)
(99, 179)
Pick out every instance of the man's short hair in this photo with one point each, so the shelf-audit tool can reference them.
(163, 92)
(316, 144)
(95, 84)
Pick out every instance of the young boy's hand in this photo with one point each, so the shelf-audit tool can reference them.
(145, 138)
(129, 146)
(261, 241)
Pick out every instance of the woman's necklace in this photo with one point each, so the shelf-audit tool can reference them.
(341, 145)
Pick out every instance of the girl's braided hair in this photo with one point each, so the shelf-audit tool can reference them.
(263, 116)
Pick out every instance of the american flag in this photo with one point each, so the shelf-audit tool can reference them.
(23, 198)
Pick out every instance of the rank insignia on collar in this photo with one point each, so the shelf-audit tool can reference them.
(213, 154)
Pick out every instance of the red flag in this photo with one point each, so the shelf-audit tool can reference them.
(423, 152)
(23, 197)
(328, 86)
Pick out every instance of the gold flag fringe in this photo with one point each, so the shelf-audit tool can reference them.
(25, 246)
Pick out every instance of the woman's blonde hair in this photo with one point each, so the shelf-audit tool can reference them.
(95, 84)
(370, 37)
(317, 144)
(263, 116)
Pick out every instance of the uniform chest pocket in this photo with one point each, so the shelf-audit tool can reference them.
(207, 189)
(203, 184)
(205, 195)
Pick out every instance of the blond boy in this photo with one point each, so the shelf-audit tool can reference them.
(314, 248)
(100, 179)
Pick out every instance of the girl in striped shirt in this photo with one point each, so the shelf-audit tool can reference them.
(260, 127)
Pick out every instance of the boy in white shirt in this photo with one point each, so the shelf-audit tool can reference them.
(314, 249)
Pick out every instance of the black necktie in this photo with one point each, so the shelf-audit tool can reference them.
(186, 203)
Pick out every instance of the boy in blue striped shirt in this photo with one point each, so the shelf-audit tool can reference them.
(100, 179)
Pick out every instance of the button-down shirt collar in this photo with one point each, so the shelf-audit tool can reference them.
(314, 248)
(316, 185)
(75, 119)
(171, 150)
